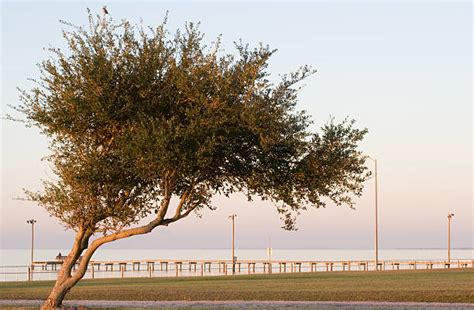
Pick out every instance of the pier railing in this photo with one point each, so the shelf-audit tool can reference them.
(47, 270)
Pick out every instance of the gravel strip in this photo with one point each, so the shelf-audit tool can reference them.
(237, 304)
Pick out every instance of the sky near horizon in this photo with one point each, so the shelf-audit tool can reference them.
(401, 69)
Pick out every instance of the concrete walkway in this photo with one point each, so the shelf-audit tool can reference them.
(236, 304)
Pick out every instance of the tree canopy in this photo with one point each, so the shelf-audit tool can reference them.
(137, 116)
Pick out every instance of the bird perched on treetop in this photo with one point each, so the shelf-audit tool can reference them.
(104, 9)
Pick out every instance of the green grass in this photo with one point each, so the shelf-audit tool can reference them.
(456, 285)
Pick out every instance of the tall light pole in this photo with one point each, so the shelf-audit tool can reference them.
(232, 217)
(450, 215)
(32, 222)
(376, 215)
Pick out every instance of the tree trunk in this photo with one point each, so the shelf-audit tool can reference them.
(61, 287)
(55, 298)
(65, 280)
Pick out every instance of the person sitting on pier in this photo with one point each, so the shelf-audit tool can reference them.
(59, 257)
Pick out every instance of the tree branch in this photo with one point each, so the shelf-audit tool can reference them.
(124, 233)
(112, 237)
(184, 199)
(179, 216)
(80, 243)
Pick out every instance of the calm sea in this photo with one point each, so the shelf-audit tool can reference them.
(22, 257)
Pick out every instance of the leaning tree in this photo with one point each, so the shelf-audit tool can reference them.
(145, 127)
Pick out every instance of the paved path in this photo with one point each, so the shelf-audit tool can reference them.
(237, 304)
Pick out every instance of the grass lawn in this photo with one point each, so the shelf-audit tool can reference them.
(455, 285)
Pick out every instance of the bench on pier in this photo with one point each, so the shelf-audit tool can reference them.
(107, 265)
(296, 265)
(329, 266)
(364, 265)
(346, 264)
(191, 265)
(267, 267)
(150, 266)
(137, 265)
(123, 266)
(251, 264)
(208, 264)
(164, 264)
(178, 266)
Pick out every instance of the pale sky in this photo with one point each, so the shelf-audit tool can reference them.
(401, 69)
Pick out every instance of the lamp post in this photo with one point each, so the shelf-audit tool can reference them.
(450, 215)
(232, 217)
(376, 215)
(32, 222)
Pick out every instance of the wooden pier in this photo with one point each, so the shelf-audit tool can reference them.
(253, 266)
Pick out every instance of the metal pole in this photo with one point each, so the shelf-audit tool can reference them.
(376, 219)
(32, 241)
(232, 217)
(450, 215)
(32, 222)
(233, 245)
(449, 239)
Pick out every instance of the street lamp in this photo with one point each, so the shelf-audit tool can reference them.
(32, 222)
(376, 216)
(232, 217)
(450, 215)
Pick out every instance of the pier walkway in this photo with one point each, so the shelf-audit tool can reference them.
(186, 267)
(47, 270)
